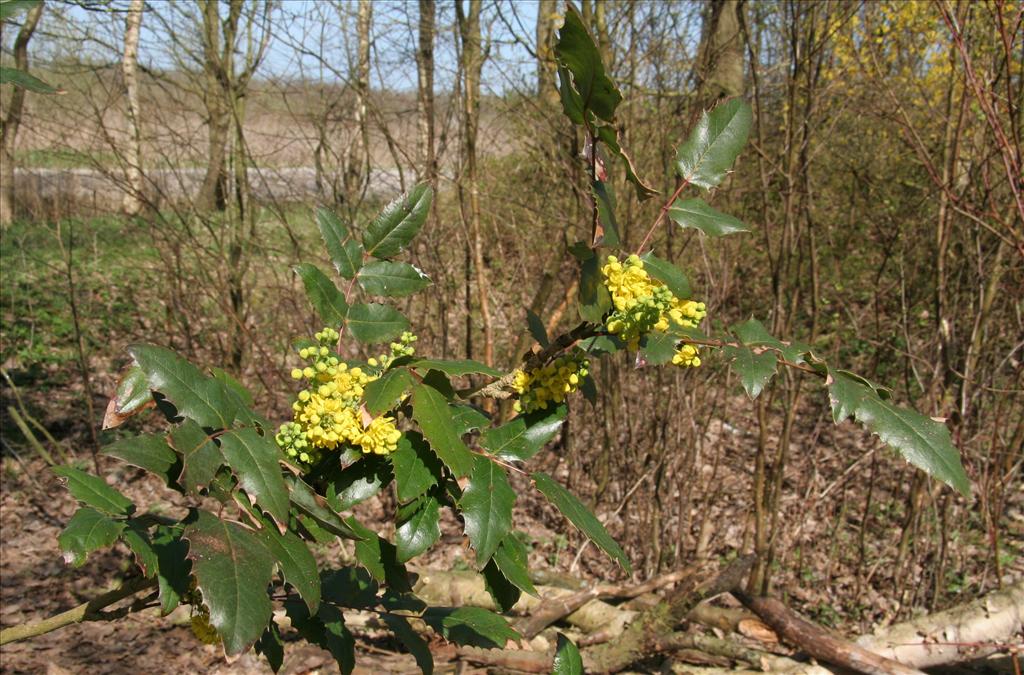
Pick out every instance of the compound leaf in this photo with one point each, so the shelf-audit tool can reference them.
(372, 323)
(754, 369)
(325, 297)
(714, 144)
(432, 413)
(94, 491)
(695, 213)
(417, 469)
(396, 225)
(87, 531)
(253, 458)
(578, 53)
(418, 527)
(196, 396)
(146, 451)
(486, 506)
(523, 437)
(346, 253)
(392, 279)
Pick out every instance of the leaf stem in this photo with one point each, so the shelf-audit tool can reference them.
(661, 215)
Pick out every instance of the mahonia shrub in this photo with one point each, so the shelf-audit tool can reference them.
(258, 493)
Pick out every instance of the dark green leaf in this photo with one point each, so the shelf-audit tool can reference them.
(754, 369)
(752, 333)
(604, 200)
(297, 564)
(486, 505)
(658, 348)
(577, 52)
(432, 413)
(380, 558)
(392, 279)
(580, 516)
(316, 507)
(87, 531)
(357, 482)
(417, 469)
(512, 559)
(233, 386)
(714, 144)
(921, 440)
(95, 492)
(668, 274)
(19, 78)
(525, 435)
(254, 460)
(149, 452)
(537, 329)
(471, 626)
(373, 323)
(572, 102)
(504, 592)
(350, 586)
(346, 253)
(610, 136)
(232, 570)
(139, 542)
(405, 633)
(467, 418)
(200, 455)
(271, 646)
(383, 393)
(594, 300)
(567, 658)
(418, 527)
(697, 214)
(327, 630)
(174, 568)
(395, 226)
(455, 368)
(195, 395)
(325, 297)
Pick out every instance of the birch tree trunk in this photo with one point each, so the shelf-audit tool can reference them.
(425, 92)
(11, 122)
(133, 200)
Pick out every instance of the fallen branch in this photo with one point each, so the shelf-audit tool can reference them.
(970, 631)
(816, 642)
(88, 611)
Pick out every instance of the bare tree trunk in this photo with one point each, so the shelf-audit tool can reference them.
(425, 99)
(721, 52)
(469, 187)
(10, 123)
(213, 191)
(358, 171)
(132, 203)
(547, 10)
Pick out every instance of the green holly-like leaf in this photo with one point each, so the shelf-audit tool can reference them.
(470, 626)
(455, 368)
(200, 455)
(346, 253)
(695, 213)
(384, 393)
(467, 418)
(577, 52)
(297, 564)
(432, 412)
(580, 516)
(327, 630)
(525, 435)
(149, 452)
(196, 396)
(357, 482)
(668, 274)
(418, 527)
(325, 297)
(253, 458)
(512, 559)
(604, 200)
(373, 323)
(417, 469)
(505, 593)
(567, 658)
(594, 299)
(173, 566)
(271, 646)
(87, 531)
(537, 329)
(714, 144)
(380, 558)
(609, 135)
(486, 506)
(392, 279)
(232, 568)
(405, 633)
(316, 507)
(754, 369)
(752, 333)
(243, 395)
(19, 78)
(396, 225)
(94, 491)
(138, 540)
(657, 349)
(921, 440)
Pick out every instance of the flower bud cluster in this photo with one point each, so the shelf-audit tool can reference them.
(329, 412)
(550, 384)
(643, 304)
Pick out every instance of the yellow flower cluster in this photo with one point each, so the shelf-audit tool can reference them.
(550, 384)
(643, 304)
(329, 413)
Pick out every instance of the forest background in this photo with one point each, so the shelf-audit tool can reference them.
(167, 192)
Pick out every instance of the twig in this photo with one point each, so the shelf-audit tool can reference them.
(88, 611)
(816, 642)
